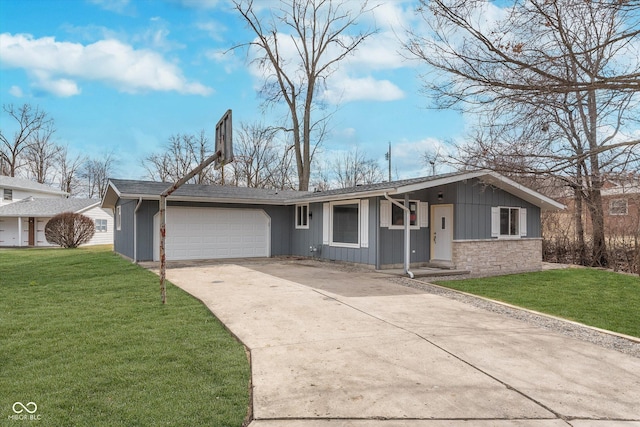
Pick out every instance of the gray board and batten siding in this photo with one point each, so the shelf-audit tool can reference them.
(472, 200)
(303, 240)
(472, 210)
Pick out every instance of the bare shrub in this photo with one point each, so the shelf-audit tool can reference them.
(69, 229)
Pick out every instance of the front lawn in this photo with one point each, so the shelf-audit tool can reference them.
(597, 298)
(83, 336)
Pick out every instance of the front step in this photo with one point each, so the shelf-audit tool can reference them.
(437, 272)
(442, 265)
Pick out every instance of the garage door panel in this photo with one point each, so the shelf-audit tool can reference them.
(210, 233)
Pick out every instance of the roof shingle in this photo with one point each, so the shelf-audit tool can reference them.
(44, 208)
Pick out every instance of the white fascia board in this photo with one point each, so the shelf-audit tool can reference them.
(111, 203)
(95, 205)
(174, 198)
(338, 197)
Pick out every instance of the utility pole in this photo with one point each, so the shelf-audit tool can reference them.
(387, 156)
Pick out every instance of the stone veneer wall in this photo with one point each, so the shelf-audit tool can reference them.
(498, 256)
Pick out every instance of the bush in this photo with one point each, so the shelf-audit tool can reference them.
(69, 229)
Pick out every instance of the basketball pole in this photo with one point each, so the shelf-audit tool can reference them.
(163, 218)
(224, 154)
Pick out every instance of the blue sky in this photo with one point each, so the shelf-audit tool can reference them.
(122, 76)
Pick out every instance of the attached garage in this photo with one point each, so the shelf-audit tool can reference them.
(213, 233)
(9, 235)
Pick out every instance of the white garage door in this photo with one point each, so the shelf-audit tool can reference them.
(9, 232)
(212, 233)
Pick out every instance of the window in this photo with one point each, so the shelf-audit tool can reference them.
(345, 224)
(8, 194)
(101, 225)
(392, 216)
(302, 216)
(119, 218)
(508, 222)
(397, 215)
(618, 207)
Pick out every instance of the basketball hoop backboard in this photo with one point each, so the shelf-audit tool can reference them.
(224, 143)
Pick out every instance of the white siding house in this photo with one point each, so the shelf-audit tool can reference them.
(26, 207)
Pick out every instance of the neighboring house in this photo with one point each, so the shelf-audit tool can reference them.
(621, 203)
(15, 189)
(620, 206)
(478, 221)
(27, 206)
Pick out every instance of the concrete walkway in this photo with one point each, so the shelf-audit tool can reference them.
(398, 357)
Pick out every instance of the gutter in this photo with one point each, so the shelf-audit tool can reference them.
(135, 230)
(407, 234)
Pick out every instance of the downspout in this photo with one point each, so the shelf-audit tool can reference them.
(135, 230)
(407, 235)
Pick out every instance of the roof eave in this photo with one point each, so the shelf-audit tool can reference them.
(319, 197)
(203, 199)
(91, 206)
(543, 202)
(110, 197)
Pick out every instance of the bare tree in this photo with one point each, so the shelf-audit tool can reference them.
(29, 121)
(260, 162)
(555, 83)
(353, 168)
(433, 159)
(318, 32)
(181, 154)
(42, 154)
(69, 170)
(95, 173)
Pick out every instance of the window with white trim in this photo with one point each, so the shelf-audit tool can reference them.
(119, 218)
(397, 215)
(392, 216)
(302, 216)
(508, 222)
(101, 225)
(7, 194)
(618, 207)
(345, 223)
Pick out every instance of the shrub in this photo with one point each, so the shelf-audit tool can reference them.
(69, 229)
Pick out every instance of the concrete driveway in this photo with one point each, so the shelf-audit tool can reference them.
(330, 347)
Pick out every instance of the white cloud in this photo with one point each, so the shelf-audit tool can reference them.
(361, 89)
(55, 66)
(358, 76)
(157, 36)
(353, 79)
(407, 157)
(61, 87)
(198, 4)
(226, 58)
(214, 29)
(118, 6)
(16, 91)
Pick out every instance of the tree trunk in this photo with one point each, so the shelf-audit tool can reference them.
(596, 211)
(595, 191)
(581, 252)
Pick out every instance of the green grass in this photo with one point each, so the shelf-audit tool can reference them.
(597, 298)
(83, 335)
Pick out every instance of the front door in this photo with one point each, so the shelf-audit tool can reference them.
(441, 232)
(32, 231)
